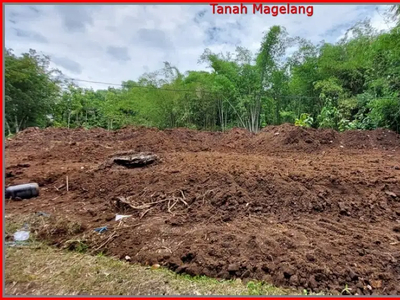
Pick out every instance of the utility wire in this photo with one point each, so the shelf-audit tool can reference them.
(172, 90)
(89, 81)
(141, 87)
(184, 90)
(193, 91)
(165, 89)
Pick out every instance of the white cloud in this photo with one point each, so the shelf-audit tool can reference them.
(379, 19)
(115, 43)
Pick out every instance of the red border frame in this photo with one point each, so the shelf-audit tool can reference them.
(310, 2)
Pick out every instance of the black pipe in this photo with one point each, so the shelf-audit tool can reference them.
(22, 191)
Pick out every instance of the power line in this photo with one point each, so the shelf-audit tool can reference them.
(194, 91)
(185, 90)
(121, 85)
(75, 79)
(173, 90)
(165, 89)
(135, 86)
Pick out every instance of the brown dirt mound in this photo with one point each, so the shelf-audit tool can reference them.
(290, 137)
(271, 139)
(293, 208)
(372, 139)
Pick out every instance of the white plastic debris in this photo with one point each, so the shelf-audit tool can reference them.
(21, 235)
(119, 217)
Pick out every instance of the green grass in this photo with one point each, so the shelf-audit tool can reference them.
(42, 270)
(39, 269)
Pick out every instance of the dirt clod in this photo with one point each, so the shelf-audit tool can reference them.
(391, 194)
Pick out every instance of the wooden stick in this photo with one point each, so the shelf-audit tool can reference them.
(184, 202)
(144, 206)
(145, 212)
(183, 197)
(67, 183)
(105, 243)
(172, 206)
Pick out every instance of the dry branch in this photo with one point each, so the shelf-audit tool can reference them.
(183, 197)
(144, 206)
(121, 201)
(105, 243)
(145, 212)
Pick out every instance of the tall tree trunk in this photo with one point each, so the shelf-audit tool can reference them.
(69, 118)
(8, 128)
(254, 114)
(222, 114)
(240, 119)
(277, 109)
(22, 123)
(16, 124)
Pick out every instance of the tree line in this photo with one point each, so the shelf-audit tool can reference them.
(351, 84)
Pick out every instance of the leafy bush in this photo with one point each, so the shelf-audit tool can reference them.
(288, 116)
(385, 113)
(305, 120)
(330, 117)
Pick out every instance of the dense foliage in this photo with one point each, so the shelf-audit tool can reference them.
(352, 84)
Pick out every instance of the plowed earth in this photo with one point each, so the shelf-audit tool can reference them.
(303, 208)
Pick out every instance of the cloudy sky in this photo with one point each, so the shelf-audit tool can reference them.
(115, 43)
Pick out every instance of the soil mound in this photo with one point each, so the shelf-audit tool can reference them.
(371, 139)
(302, 208)
(271, 139)
(290, 137)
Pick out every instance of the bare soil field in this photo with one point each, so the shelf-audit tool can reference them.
(298, 208)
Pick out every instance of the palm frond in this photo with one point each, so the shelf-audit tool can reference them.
(395, 9)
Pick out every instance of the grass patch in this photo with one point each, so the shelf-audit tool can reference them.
(43, 270)
(39, 269)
